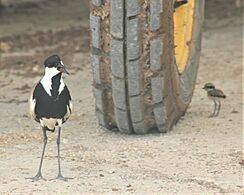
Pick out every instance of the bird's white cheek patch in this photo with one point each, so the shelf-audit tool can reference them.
(47, 85)
(50, 72)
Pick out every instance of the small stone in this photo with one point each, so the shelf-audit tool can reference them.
(35, 68)
(111, 171)
(5, 47)
(65, 141)
(242, 162)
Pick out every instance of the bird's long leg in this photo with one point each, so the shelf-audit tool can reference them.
(215, 106)
(217, 114)
(39, 176)
(60, 176)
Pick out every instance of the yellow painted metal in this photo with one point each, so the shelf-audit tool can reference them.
(183, 27)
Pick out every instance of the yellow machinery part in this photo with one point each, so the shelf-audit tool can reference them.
(183, 27)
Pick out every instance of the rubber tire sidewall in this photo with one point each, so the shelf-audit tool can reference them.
(179, 88)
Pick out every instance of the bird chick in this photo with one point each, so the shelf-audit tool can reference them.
(50, 105)
(216, 95)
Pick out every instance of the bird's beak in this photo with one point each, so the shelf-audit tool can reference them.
(62, 69)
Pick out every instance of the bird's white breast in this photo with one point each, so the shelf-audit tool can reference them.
(61, 86)
(46, 81)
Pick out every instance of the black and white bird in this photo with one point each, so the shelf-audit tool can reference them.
(51, 105)
(216, 95)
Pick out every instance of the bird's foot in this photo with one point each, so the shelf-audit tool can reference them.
(212, 116)
(217, 114)
(61, 177)
(37, 177)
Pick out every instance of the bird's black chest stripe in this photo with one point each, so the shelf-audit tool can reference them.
(48, 107)
(55, 86)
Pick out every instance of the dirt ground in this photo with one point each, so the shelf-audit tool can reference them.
(200, 155)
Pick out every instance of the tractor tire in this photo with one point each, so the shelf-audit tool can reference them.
(138, 85)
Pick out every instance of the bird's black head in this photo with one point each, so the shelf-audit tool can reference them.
(54, 62)
(209, 86)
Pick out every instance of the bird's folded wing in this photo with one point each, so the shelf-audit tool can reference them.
(32, 105)
(217, 93)
(69, 111)
(69, 104)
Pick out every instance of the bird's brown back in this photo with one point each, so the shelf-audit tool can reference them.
(216, 93)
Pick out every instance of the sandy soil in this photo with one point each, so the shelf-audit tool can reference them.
(201, 155)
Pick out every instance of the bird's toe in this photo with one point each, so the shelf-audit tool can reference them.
(37, 177)
(61, 177)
